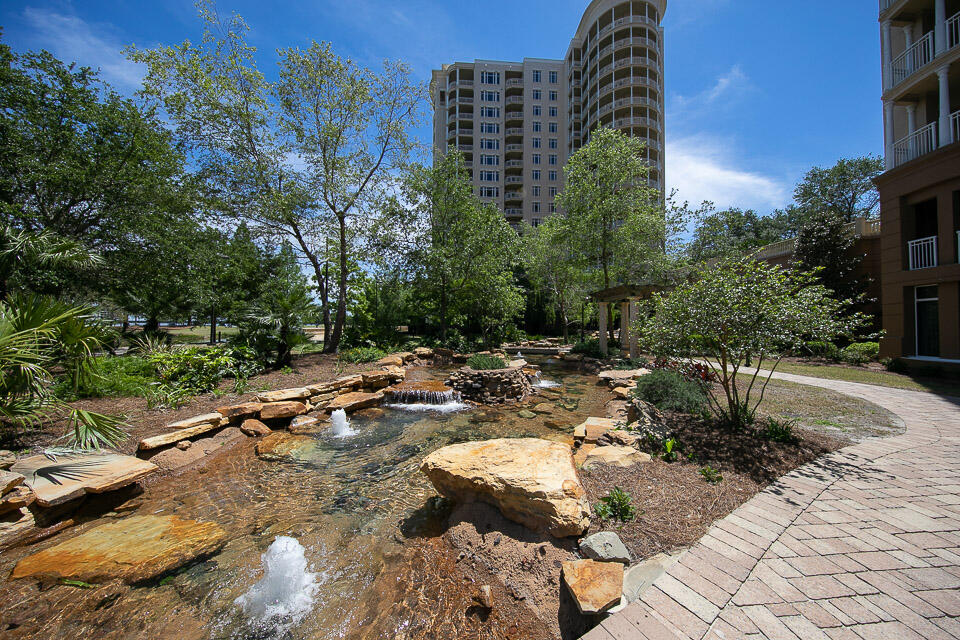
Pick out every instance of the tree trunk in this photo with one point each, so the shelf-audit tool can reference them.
(334, 343)
(443, 309)
(213, 325)
(565, 326)
(152, 325)
(325, 301)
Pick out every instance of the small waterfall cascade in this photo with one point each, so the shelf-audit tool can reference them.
(426, 396)
(339, 424)
(538, 381)
(285, 594)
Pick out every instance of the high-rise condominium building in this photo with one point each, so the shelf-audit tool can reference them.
(920, 189)
(518, 122)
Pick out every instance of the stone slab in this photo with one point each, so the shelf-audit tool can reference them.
(354, 401)
(282, 395)
(286, 409)
(71, 476)
(213, 418)
(592, 428)
(132, 549)
(164, 439)
(239, 412)
(595, 586)
(8, 481)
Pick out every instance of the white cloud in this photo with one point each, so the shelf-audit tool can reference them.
(72, 40)
(701, 167)
(728, 89)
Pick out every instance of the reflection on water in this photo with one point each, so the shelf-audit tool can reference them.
(347, 501)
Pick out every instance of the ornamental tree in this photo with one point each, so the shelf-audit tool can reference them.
(739, 313)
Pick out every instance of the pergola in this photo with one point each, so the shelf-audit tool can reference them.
(628, 297)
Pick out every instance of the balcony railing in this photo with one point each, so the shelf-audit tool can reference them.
(955, 126)
(514, 131)
(515, 82)
(923, 253)
(919, 54)
(513, 195)
(886, 4)
(513, 180)
(627, 20)
(513, 164)
(953, 31)
(918, 143)
(514, 147)
(514, 100)
(860, 228)
(513, 212)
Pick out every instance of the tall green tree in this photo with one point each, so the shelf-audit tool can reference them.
(733, 232)
(825, 246)
(550, 265)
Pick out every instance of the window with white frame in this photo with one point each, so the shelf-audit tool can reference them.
(536, 207)
(489, 176)
(536, 158)
(553, 207)
(554, 143)
(553, 96)
(554, 112)
(553, 77)
(489, 192)
(490, 77)
(490, 112)
(535, 174)
(537, 94)
(535, 222)
(490, 143)
(537, 142)
(537, 126)
(536, 191)
(489, 127)
(537, 110)
(537, 75)
(553, 192)
(553, 176)
(553, 127)
(490, 96)
(489, 160)
(553, 159)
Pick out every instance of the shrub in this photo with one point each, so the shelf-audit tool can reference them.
(895, 365)
(199, 370)
(483, 361)
(822, 349)
(861, 352)
(778, 431)
(362, 354)
(615, 506)
(693, 371)
(590, 348)
(711, 475)
(670, 391)
(627, 364)
(112, 377)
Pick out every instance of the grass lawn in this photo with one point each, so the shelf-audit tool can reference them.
(944, 386)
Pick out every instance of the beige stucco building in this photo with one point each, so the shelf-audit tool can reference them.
(518, 122)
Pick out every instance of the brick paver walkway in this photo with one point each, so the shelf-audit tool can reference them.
(862, 543)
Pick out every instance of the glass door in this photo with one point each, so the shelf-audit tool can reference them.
(927, 321)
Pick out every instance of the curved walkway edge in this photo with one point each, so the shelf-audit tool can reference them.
(861, 543)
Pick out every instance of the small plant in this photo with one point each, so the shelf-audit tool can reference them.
(361, 354)
(616, 506)
(590, 348)
(286, 371)
(778, 431)
(861, 352)
(711, 475)
(822, 349)
(669, 455)
(628, 364)
(150, 343)
(484, 362)
(670, 391)
(894, 365)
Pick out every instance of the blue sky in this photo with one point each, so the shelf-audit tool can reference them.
(757, 90)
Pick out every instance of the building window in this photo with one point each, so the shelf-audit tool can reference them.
(537, 127)
(490, 161)
(536, 143)
(535, 222)
(490, 77)
(490, 143)
(490, 112)
(536, 75)
(553, 96)
(553, 176)
(489, 127)
(490, 96)
(554, 144)
(553, 159)
(553, 77)
(489, 192)
(536, 207)
(553, 208)
(537, 110)
(553, 192)
(554, 112)
(553, 127)
(489, 176)
(536, 191)
(536, 158)
(535, 174)
(537, 94)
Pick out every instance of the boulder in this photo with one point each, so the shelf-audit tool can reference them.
(595, 586)
(288, 409)
(526, 415)
(621, 377)
(390, 361)
(172, 437)
(71, 476)
(605, 546)
(7, 459)
(646, 419)
(531, 481)
(133, 549)
(9, 480)
(253, 427)
(283, 395)
(620, 437)
(423, 353)
(354, 401)
(183, 445)
(592, 428)
(280, 445)
(198, 421)
(405, 356)
(615, 455)
(543, 407)
(238, 412)
(173, 458)
(17, 498)
(572, 357)
(376, 379)
(301, 423)
(622, 392)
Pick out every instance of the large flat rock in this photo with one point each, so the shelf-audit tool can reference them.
(592, 428)
(595, 586)
(133, 549)
(354, 401)
(71, 476)
(531, 481)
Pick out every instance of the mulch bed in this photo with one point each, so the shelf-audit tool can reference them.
(675, 504)
(144, 422)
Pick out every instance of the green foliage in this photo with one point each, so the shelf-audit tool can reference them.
(861, 352)
(362, 354)
(112, 377)
(711, 475)
(668, 454)
(895, 365)
(670, 391)
(733, 232)
(589, 348)
(778, 431)
(741, 311)
(845, 189)
(485, 362)
(628, 364)
(200, 370)
(616, 505)
(822, 349)
(825, 246)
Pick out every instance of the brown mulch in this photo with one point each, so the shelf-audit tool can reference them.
(143, 422)
(675, 504)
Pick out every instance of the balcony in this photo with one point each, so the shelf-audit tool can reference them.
(886, 4)
(955, 126)
(918, 143)
(514, 148)
(859, 228)
(464, 100)
(625, 21)
(918, 55)
(514, 100)
(459, 83)
(513, 212)
(515, 82)
(923, 253)
(513, 180)
(513, 196)
(627, 42)
(514, 131)
(953, 31)
(513, 164)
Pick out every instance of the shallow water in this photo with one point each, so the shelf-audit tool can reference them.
(350, 502)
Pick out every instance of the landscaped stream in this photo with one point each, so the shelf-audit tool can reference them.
(350, 502)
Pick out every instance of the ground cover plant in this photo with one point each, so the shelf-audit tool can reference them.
(484, 362)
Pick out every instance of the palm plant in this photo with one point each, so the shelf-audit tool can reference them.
(275, 321)
(43, 249)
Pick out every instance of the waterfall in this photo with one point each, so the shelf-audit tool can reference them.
(340, 425)
(285, 593)
(543, 384)
(427, 400)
